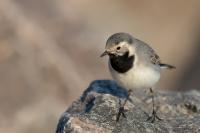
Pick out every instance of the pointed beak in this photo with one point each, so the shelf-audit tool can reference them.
(104, 53)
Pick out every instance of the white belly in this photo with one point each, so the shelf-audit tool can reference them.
(136, 78)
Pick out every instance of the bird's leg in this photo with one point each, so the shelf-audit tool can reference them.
(154, 116)
(121, 109)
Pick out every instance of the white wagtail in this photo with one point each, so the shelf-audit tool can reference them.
(134, 65)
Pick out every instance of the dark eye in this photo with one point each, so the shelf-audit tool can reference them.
(118, 48)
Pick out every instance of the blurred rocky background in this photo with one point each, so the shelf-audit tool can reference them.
(49, 51)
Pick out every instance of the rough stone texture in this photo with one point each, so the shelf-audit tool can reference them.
(96, 111)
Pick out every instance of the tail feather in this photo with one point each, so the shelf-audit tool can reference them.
(167, 66)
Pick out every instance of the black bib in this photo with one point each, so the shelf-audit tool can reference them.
(122, 63)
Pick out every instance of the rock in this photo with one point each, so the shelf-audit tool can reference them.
(96, 111)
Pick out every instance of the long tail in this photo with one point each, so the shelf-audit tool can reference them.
(167, 66)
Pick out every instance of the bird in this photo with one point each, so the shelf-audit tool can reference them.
(134, 65)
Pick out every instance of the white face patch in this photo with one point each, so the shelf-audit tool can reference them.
(130, 48)
(122, 48)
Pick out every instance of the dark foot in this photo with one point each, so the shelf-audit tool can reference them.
(153, 117)
(121, 112)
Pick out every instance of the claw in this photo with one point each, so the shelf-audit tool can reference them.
(121, 112)
(121, 109)
(153, 117)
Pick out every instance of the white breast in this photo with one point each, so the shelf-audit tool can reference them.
(139, 77)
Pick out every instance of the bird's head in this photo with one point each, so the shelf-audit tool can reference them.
(119, 44)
